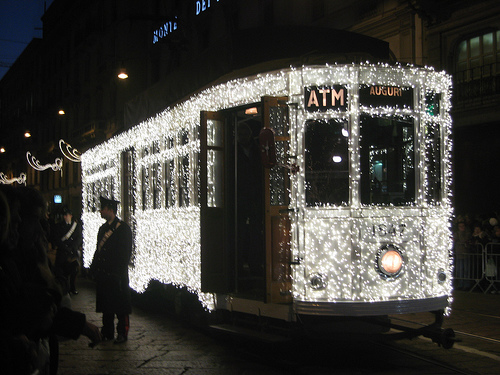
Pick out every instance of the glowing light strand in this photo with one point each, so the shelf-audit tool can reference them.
(70, 152)
(35, 164)
(7, 181)
(167, 238)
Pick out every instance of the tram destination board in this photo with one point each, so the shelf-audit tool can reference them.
(382, 96)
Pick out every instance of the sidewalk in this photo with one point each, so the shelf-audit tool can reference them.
(156, 345)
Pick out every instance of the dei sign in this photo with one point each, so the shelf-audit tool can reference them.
(322, 98)
(203, 5)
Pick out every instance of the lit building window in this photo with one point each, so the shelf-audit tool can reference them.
(478, 57)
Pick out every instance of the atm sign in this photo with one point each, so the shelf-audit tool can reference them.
(323, 98)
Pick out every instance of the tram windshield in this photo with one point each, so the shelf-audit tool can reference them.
(327, 163)
(387, 161)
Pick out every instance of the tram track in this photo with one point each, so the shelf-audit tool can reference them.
(431, 361)
(311, 356)
(466, 334)
(480, 350)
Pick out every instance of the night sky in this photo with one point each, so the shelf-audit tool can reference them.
(20, 22)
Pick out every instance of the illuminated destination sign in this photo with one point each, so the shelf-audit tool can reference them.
(382, 96)
(166, 29)
(203, 5)
(322, 98)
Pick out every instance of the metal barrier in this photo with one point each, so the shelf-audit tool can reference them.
(491, 266)
(478, 268)
(469, 269)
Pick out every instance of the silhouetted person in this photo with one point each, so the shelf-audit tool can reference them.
(110, 270)
(68, 239)
(32, 315)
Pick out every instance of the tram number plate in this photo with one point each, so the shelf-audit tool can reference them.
(389, 230)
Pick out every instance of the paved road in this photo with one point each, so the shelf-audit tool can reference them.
(156, 345)
(159, 344)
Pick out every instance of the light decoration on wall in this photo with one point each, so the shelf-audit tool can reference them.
(8, 181)
(339, 243)
(35, 164)
(70, 152)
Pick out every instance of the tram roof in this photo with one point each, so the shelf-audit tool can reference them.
(252, 51)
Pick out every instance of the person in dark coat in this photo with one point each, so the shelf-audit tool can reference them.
(68, 239)
(31, 312)
(110, 270)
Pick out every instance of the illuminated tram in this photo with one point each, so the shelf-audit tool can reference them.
(306, 194)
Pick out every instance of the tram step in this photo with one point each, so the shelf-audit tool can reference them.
(249, 333)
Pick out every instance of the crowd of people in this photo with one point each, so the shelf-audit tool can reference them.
(36, 307)
(471, 236)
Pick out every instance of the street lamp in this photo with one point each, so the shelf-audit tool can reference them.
(27, 134)
(123, 73)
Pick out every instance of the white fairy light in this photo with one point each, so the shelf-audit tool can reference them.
(8, 181)
(35, 163)
(335, 241)
(69, 151)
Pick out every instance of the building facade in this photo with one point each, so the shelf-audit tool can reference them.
(169, 49)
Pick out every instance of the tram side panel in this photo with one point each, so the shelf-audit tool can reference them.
(329, 271)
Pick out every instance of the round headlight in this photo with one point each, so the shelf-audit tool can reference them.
(390, 261)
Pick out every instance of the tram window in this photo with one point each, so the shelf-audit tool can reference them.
(327, 163)
(145, 187)
(155, 147)
(92, 203)
(169, 183)
(184, 138)
(169, 143)
(156, 186)
(184, 181)
(432, 164)
(387, 161)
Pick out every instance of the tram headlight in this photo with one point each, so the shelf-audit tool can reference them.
(390, 261)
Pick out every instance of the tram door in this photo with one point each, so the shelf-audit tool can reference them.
(245, 227)
(217, 258)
